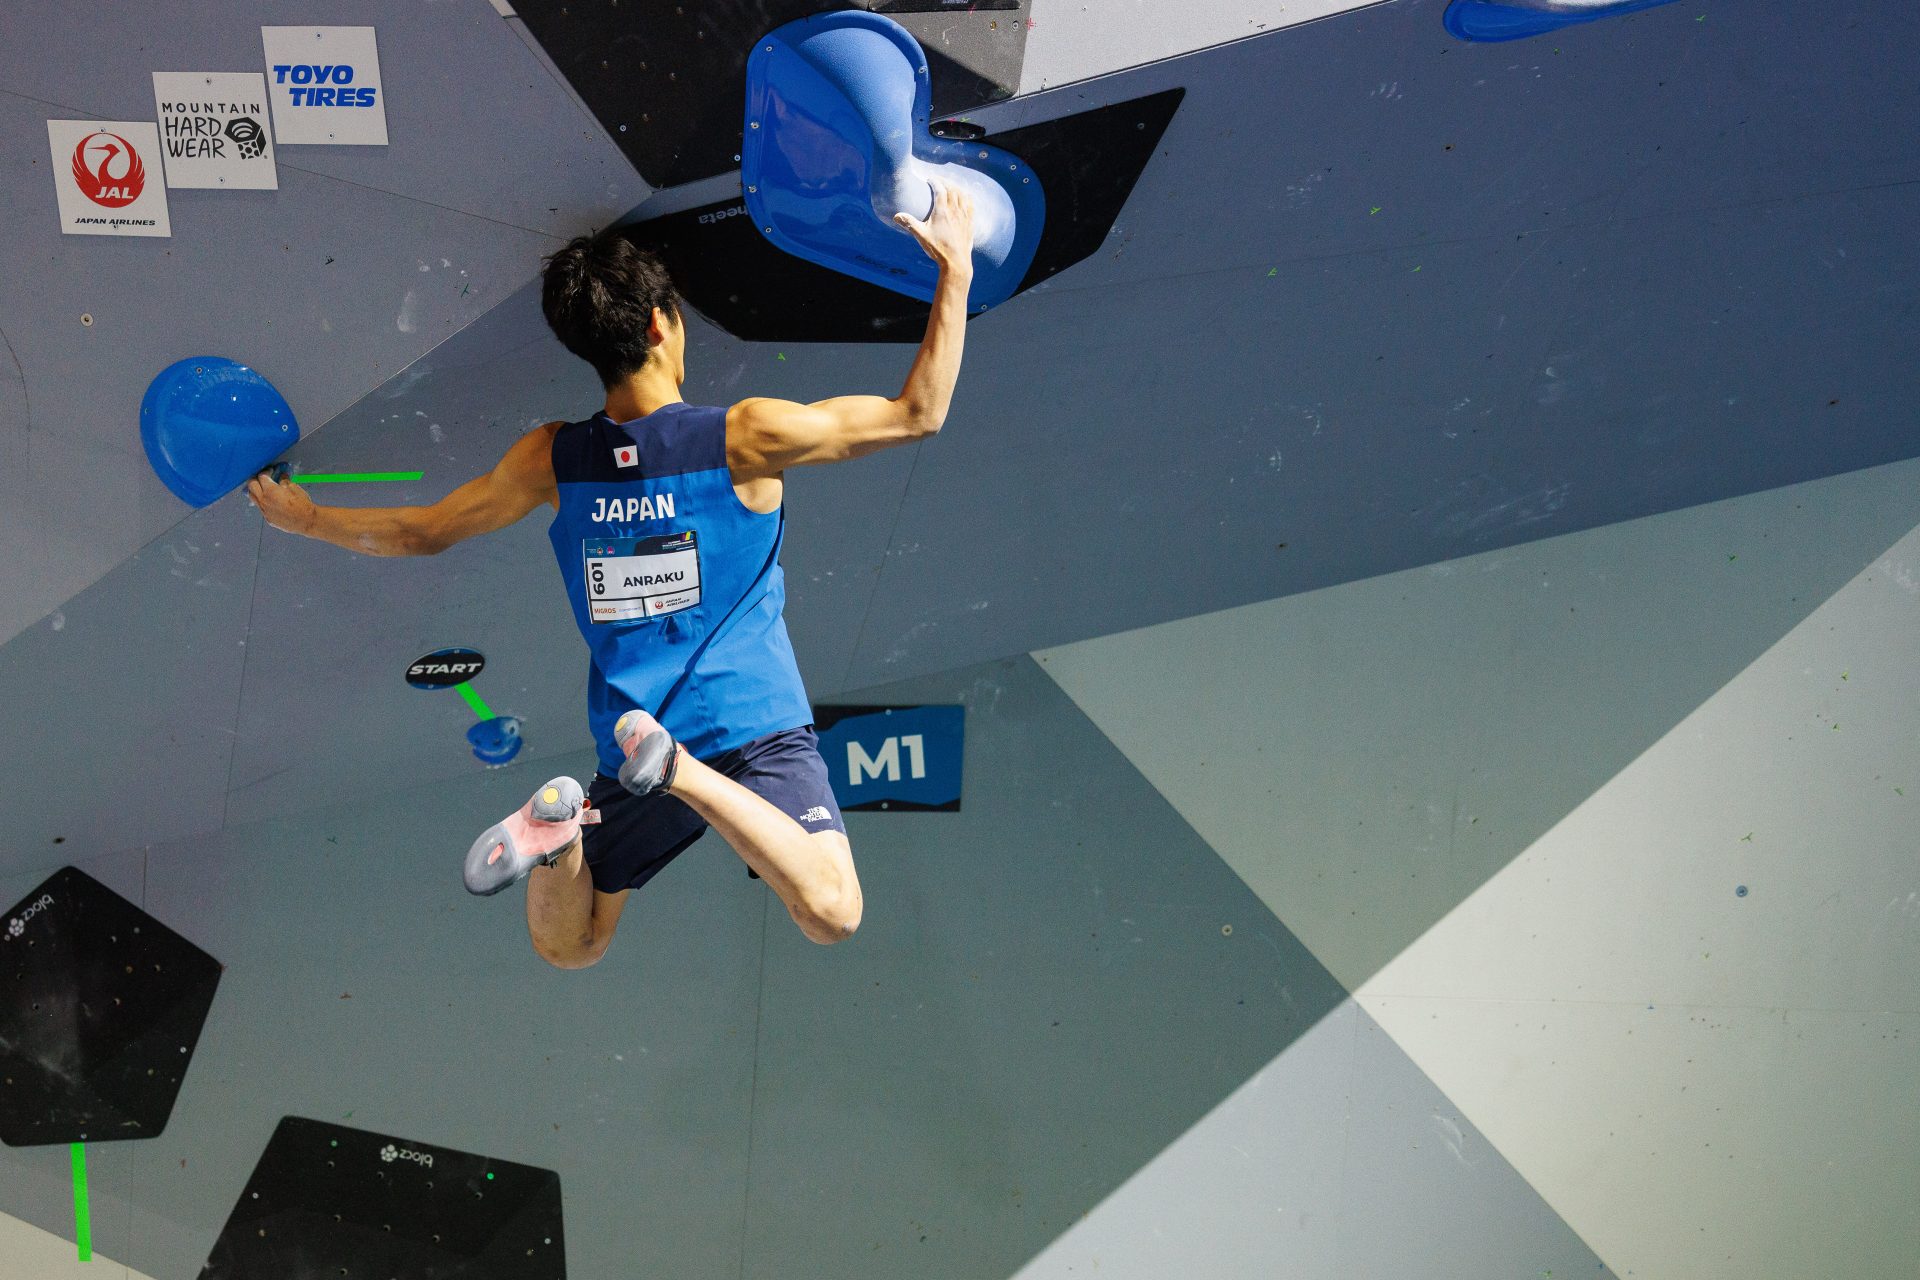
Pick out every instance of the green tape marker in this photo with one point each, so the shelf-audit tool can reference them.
(82, 1219)
(474, 700)
(358, 477)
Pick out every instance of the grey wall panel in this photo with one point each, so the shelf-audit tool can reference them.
(1075, 41)
(1337, 1159)
(1426, 1194)
(1409, 736)
(122, 704)
(475, 122)
(1049, 987)
(1686, 1012)
(323, 286)
(329, 285)
(1375, 130)
(1461, 429)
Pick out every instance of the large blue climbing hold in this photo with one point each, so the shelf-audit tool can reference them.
(1491, 20)
(209, 423)
(837, 143)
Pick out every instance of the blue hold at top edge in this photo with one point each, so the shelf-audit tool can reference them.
(209, 423)
(1491, 20)
(836, 136)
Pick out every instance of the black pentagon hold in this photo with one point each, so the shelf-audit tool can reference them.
(327, 1200)
(101, 1007)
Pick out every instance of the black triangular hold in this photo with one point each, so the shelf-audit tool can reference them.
(101, 1007)
(665, 78)
(346, 1204)
(730, 273)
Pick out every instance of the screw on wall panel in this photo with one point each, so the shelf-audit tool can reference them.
(87, 319)
(754, 124)
(753, 191)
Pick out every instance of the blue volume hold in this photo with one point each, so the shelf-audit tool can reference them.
(837, 143)
(495, 742)
(1490, 20)
(209, 423)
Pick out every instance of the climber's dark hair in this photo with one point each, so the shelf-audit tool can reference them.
(599, 295)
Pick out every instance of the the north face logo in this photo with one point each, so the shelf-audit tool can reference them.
(816, 814)
(626, 456)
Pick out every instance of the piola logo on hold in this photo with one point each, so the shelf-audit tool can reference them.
(108, 170)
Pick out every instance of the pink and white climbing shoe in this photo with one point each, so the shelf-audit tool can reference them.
(536, 836)
(653, 756)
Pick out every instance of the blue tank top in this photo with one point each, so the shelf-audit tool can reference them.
(675, 584)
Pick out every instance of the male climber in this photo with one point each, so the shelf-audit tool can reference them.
(668, 529)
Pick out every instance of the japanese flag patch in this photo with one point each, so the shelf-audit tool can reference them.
(626, 456)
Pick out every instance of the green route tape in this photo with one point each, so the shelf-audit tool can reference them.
(82, 1219)
(474, 700)
(357, 477)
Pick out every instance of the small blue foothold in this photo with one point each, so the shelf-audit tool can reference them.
(1740, 891)
(209, 423)
(497, 741)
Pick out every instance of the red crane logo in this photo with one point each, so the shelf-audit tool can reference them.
(98, 183)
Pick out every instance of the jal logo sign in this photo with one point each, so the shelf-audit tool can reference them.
(324, 83)
(108, 170)
(445, 668)
(893, 757)
(106, 178)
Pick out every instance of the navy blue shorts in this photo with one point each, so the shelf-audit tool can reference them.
(637, 836)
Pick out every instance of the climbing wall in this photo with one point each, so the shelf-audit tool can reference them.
(1429, 586)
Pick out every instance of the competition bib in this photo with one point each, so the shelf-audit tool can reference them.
(630, 578)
